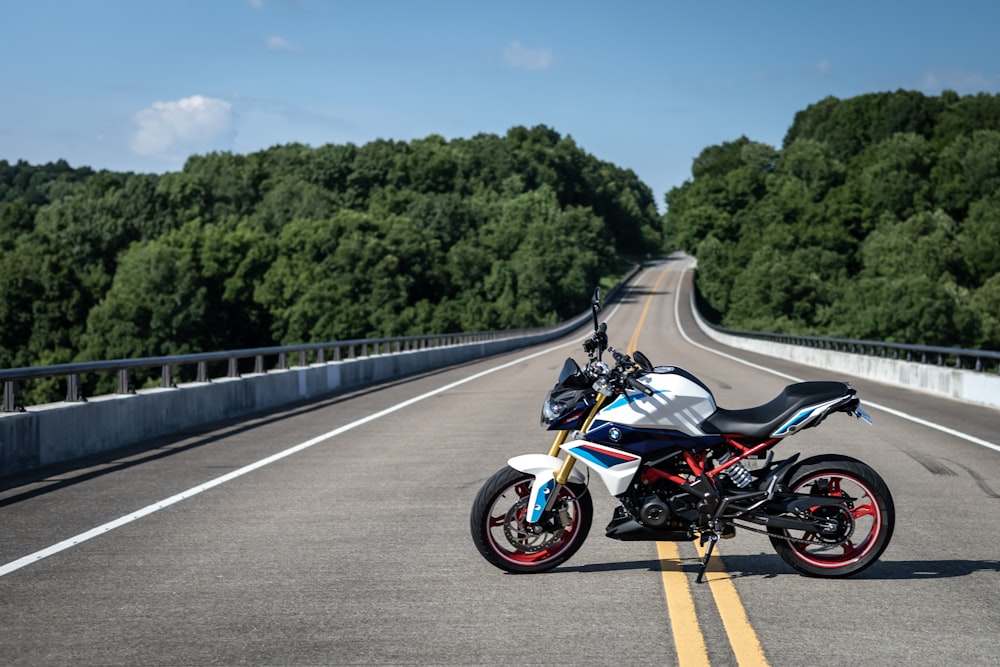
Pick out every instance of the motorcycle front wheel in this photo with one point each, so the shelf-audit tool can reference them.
(504, 537)
(865, 520)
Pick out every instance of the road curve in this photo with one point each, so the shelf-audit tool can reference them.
(337, 533)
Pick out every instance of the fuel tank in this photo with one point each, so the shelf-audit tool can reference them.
(680, 402)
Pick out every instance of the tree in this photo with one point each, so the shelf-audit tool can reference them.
(980, 239)
(923, 311)
(967, 170)
(810, 162)
(155, 306)
(895, 176)
(891, 196)
(293, 243)
(925, 244)
(985, 301)
(786, 292)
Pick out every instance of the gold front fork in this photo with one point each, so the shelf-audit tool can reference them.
(560, 439)
(566, 468)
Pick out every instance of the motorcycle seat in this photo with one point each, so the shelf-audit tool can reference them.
(763, 420)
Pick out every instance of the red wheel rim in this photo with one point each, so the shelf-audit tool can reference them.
(505, 517)
(867, 522)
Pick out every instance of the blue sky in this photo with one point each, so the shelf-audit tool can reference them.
(138, 85)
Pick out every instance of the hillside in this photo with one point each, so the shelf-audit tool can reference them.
(878, 218)
(298, 244)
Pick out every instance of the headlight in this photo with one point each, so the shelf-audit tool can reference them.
(552, 409)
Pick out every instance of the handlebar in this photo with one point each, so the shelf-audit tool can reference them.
(621, 377)
(635, 384)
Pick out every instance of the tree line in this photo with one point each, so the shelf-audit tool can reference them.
(297, 244)
(878, 218)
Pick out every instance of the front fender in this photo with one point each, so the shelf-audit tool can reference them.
(533, 464)
(544, 488)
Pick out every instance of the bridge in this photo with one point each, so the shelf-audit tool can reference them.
(336, 532)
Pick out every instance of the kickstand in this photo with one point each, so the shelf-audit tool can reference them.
(711, 537)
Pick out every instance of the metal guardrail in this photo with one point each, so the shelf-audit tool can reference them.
(960, 358)
(318, 352)
(978, 360)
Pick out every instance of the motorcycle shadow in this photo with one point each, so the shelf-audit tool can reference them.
(769, 566)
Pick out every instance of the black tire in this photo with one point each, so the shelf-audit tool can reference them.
(870, 520)
(499, 531)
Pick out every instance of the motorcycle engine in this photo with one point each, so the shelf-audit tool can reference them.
(658, 509)
(654, 512)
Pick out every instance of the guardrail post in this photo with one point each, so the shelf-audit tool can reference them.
(167, 377)
(125, 382)
(258, 364)
(202, 372)
(73, 393)
(321, 356)
(12, 397)
(282, 361)
(233, 371)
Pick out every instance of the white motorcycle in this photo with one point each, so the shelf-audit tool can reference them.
(680, 466)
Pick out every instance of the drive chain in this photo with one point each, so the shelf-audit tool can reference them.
(798, 540)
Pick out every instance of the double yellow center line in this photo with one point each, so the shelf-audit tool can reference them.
(688, 638)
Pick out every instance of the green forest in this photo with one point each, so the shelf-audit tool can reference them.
(878, 219)
(297, 244)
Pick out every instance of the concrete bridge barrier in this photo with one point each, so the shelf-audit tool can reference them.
(56, 433)
(957, 383)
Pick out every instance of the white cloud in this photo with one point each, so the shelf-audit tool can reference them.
(522, 57)
(936, 80)
(822, 68)
(257, 4)
(276, 43)
(189, 125)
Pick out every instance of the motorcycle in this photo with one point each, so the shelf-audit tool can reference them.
(682, 468)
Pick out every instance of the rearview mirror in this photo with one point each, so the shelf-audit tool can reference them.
(595, 305)
(643, 361)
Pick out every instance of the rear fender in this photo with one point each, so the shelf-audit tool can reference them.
(779, 473)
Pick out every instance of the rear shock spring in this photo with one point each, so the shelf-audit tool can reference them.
(737, 473)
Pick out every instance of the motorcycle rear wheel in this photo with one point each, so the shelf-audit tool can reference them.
(867, 522)
(506, 540)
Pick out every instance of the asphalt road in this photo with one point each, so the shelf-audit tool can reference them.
(226, 547)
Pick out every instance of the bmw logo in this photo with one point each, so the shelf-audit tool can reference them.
(615, 434)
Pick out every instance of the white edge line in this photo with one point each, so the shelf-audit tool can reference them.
(903, 415)
(155, 507)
